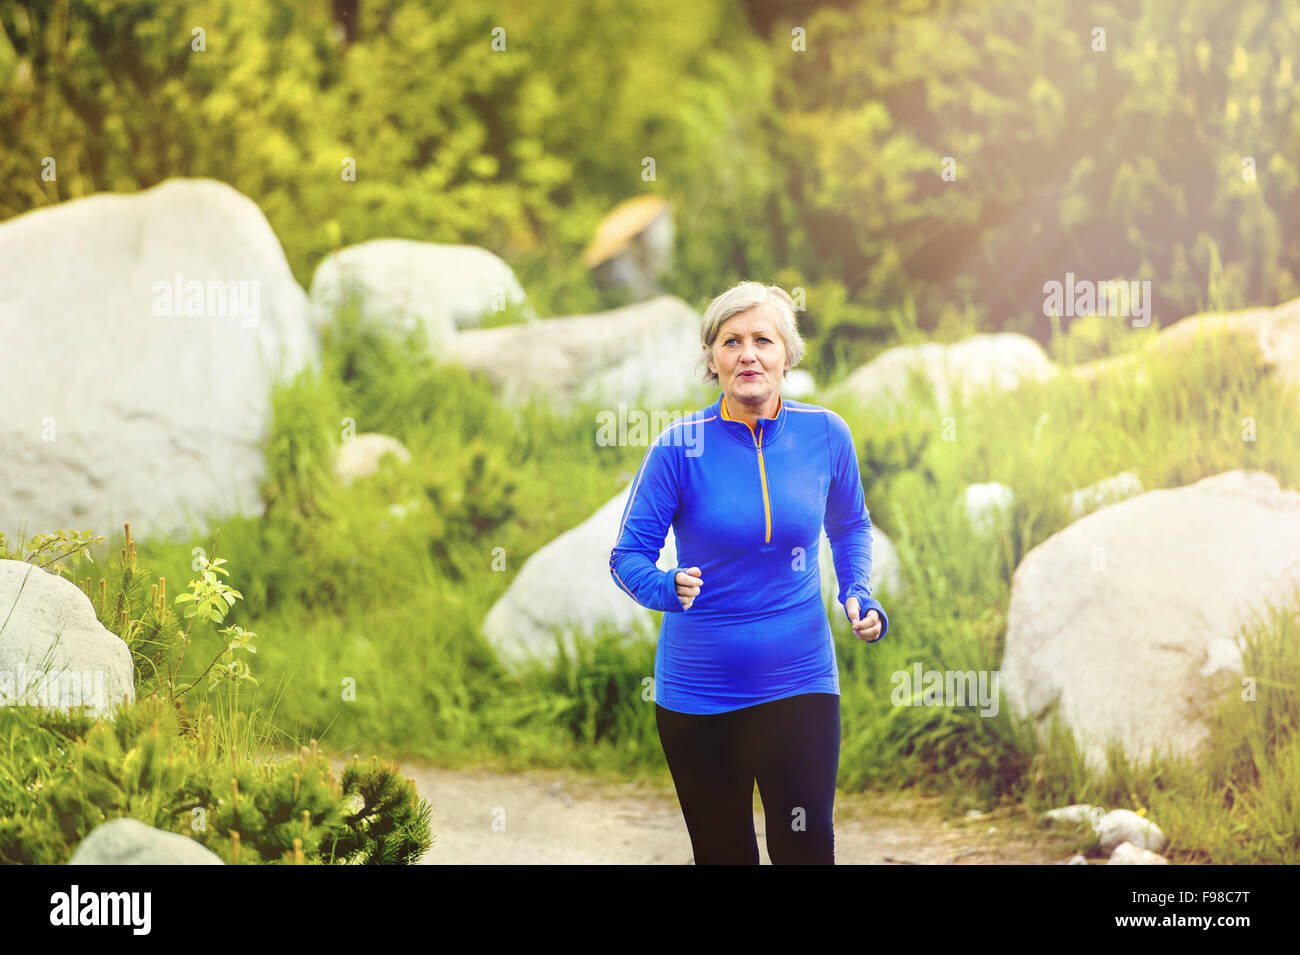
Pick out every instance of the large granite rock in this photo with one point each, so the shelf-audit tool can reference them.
(642, 354)
(129, 396)
(54, 652)
(403, 284)
(1128, 617)
(566, 586)
(986, 361)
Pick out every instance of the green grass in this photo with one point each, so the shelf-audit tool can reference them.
(369, 621)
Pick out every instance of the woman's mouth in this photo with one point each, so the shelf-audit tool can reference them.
(749, 375)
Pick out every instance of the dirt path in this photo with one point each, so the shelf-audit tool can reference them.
(569, 818)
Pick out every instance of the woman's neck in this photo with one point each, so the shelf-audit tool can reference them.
(749, 414)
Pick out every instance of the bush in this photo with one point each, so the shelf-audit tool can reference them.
(145, 766)
(61, 775)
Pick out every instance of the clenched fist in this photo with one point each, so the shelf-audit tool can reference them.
(867, 628)
(688, 585)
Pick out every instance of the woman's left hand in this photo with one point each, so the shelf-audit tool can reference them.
(866, 628)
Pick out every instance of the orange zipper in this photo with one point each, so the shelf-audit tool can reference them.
(762, 471)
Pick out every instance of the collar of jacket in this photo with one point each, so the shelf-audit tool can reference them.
(764, 432)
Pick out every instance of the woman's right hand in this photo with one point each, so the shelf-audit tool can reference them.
(688, 585)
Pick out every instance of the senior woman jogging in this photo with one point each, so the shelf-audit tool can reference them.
(746, 683)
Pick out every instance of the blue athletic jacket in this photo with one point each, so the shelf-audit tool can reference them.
(747, 505)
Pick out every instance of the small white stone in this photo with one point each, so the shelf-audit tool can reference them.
(1128, 854)
(1078, 813)
(1123, 825)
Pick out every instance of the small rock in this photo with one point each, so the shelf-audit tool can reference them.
(1076, 859)
(988, 506)
(1079, 813)
(126, 841)
(1128, 854)
(1123, 825)
(1106, 491)
(798, 383)
(360, 456)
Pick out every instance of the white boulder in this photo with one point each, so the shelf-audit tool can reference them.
(641, 354)
(1000, 361)
(127, 841)
(565, 588)
(54, 652)
(404, 284)
(1125, 619)
(140, 337)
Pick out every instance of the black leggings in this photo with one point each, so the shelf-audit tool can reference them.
(791, 746)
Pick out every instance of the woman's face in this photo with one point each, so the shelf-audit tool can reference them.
(748, 355)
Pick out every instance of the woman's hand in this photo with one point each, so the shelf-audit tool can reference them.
(688, 585)
(868, 628)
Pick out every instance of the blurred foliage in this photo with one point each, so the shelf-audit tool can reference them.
(1125, 161)
(812, 155)
(1089, 337)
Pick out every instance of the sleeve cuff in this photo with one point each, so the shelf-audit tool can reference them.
(671, 603)
(865, 604)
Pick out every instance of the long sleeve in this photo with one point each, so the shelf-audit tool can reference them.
(848, 523)
(643, 529)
